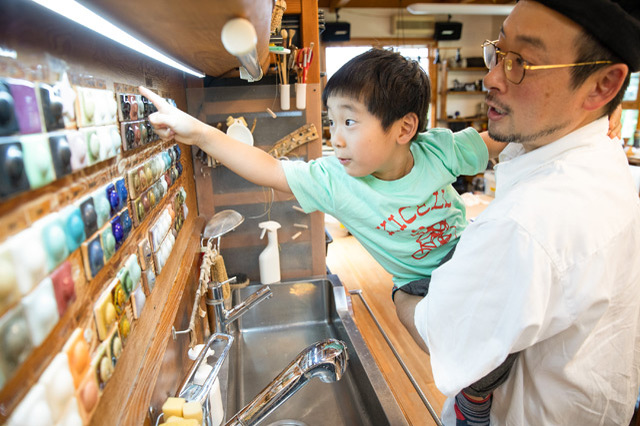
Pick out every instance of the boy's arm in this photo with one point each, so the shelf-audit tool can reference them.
(615, 123)
(494, 147)
(250, 162)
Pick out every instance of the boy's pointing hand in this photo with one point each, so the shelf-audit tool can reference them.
(169, 122)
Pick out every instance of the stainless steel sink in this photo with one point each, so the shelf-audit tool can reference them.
(271, 334)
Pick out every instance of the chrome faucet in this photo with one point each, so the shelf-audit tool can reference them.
(326, 360)
(219, 317)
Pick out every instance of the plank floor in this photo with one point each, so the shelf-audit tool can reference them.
(358, 270)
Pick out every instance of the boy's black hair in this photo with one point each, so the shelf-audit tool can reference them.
(390, 85)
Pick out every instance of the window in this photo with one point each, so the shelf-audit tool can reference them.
(630, 108)
(339, 55)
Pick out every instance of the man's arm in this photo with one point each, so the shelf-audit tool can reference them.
(405, 309)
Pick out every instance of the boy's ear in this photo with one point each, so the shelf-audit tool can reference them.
(408, 127)
(605, 87)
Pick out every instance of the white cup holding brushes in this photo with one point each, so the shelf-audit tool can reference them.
(281, 62)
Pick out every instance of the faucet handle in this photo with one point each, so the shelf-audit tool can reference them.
(216, 292)
(216, 284)
(230, 280)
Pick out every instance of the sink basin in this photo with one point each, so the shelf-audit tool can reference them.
(274, 332)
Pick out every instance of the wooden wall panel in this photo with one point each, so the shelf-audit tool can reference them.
(44, 45)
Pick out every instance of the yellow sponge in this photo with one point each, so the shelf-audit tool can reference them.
(192, 410)
(173, 407)
(179, 421)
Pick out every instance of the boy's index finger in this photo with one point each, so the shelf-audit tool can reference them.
(157, 100)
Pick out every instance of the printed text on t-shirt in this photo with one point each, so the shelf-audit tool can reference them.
(428, 237)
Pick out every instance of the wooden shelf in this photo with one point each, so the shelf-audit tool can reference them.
(190, 30)
(444, 91)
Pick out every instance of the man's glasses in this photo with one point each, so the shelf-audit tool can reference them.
(515, 66)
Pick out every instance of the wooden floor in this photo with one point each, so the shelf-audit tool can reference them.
(358, 270)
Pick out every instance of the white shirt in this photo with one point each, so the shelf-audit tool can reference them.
(551, 269)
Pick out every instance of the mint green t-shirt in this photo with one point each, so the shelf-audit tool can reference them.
(409, 224)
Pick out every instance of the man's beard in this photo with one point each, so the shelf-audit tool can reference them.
(517, 137)
(521, 137)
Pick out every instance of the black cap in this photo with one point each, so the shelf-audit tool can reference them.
(614, 23)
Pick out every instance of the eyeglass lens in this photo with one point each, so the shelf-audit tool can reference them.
(512, 69)
(489, 51)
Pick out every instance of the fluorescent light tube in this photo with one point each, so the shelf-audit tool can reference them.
(459, 9)
(73, 10)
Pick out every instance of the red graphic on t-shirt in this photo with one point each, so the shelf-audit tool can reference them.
(428, 237)
(431, 237)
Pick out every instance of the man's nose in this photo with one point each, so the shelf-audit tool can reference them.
(496, 79)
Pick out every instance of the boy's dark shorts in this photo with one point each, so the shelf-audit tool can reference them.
(421, 287)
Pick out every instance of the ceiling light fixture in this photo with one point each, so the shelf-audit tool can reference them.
(459, 9)
(73, 10)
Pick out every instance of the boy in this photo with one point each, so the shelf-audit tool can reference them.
(389, 184)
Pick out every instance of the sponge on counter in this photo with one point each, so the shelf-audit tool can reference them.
(192, 410)
(173, 407)
(178, 421)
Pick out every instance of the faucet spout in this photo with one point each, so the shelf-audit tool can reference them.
(326, 360)
(263, 293)
(219, 317)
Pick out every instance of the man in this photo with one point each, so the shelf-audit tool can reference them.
(548, 272)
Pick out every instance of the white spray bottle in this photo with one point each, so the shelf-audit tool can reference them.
(269, 259)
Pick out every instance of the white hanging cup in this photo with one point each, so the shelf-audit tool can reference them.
(285, 97)
(240, 132)
(301, 95)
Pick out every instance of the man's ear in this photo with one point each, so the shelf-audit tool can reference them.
(408, 127)
(606, 84)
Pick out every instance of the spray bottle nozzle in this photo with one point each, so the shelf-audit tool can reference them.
(269, 225)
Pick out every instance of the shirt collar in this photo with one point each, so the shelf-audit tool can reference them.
(516, 163)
